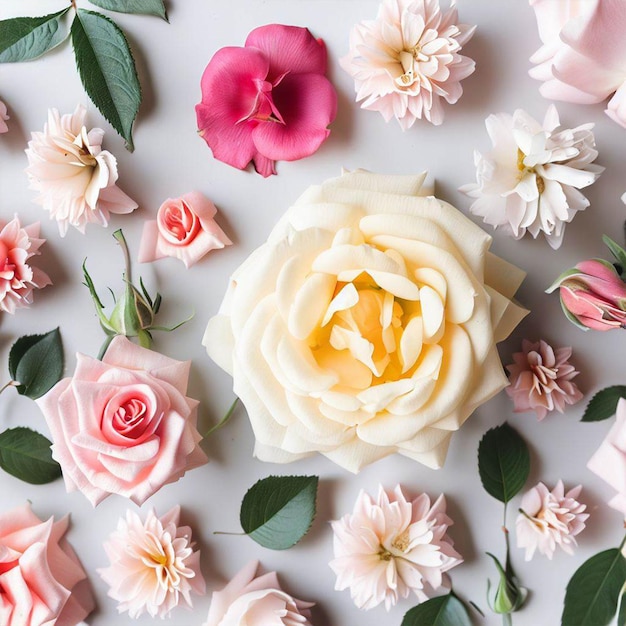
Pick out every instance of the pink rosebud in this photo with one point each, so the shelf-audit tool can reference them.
(593, 295)
(268, 101)
(184, 229)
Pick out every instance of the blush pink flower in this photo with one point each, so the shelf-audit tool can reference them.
(406, 62)
(609, 460)
(549, 519)
(76, 178)
(249, 600)
(42, 582)
(541, 379)
(154, 566)
(583, 57)
(268, 101)
(184, 229)
(18, 278)
(3, 118)
(124, 424)
(390, 547)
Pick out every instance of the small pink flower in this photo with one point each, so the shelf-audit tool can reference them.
(3, 118)
(41, 580)
(153, 564)
(75, 178)
(18, 278)
(609, 460)
(389, 547)
(124, 424)
(541, 379)
(268, 101)
(184, 229)
(549, 519)
(249, 600)
(406, 62)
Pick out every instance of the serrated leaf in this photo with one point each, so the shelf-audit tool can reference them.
(26, 455)
(36, 363)
(604, 404)
(445, 610)
(27, 38)
(503, 462)
(107, 70)
(141, 7)
(593, 591)
(278, 511)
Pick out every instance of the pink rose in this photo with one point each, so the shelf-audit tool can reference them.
(248, 599)
(42, 582)
(184, 229)
(124, 424)
(3, 118)
(609, 460)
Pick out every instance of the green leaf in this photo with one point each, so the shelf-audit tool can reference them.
(36, 363)
(604, 404)
(26, 38)
(278, 511)
(503, 462)
(621, 614)
(616, 250)
(107, 70)
(445, 610)
(26, 455)
(593, 592)
(142, 7)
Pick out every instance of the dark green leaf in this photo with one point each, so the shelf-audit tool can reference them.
(26, 38)
(616, 250)
(107, 70)
(26, 455)
(621, 615)
(594, 589)
(278, 511)
(604, 404)
(36, 363)
(143, 7)
(445, 610)
(503, 462)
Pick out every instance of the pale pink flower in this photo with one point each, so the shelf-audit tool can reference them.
(42, 582)
(268, 101)
(75, 178)
(3, 118)
(609, 460)
(406, 62)
(541, 379)
(123, 425)
(389, 547)
(250, 600)
(184, 229)
(583, 57)
(154, 566)
(549, 519)
(18, 278)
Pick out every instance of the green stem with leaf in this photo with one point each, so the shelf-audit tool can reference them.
(225, 419)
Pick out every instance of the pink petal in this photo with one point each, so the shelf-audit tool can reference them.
(308, 103)
(616, 108)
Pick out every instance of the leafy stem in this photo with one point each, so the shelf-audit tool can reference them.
(225, 419)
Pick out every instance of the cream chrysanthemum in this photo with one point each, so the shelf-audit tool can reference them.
(153, 564)
(531, 178)
(389, 547)
(406, 61)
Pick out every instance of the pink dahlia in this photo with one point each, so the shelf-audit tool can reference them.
(389, 547)
(549, 519)
(406, 62)
(18, 278)
(3, 118)
(268, 101)
(541, 379)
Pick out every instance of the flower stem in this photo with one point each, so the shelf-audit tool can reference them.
(11, 383)
(225, 419)
(223, 532)
(507, 620)
(119, 236)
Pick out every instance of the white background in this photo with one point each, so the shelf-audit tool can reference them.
(170, 159)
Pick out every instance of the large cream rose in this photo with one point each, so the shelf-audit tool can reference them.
(366, 325)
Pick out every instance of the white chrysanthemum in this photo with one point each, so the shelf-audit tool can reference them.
(389, 547)
(75, 178)
(407, 60)
(153, 564)
(531, 178)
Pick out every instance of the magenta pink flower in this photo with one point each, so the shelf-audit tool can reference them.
(18, 278)
(268, 101)
(541, 379)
